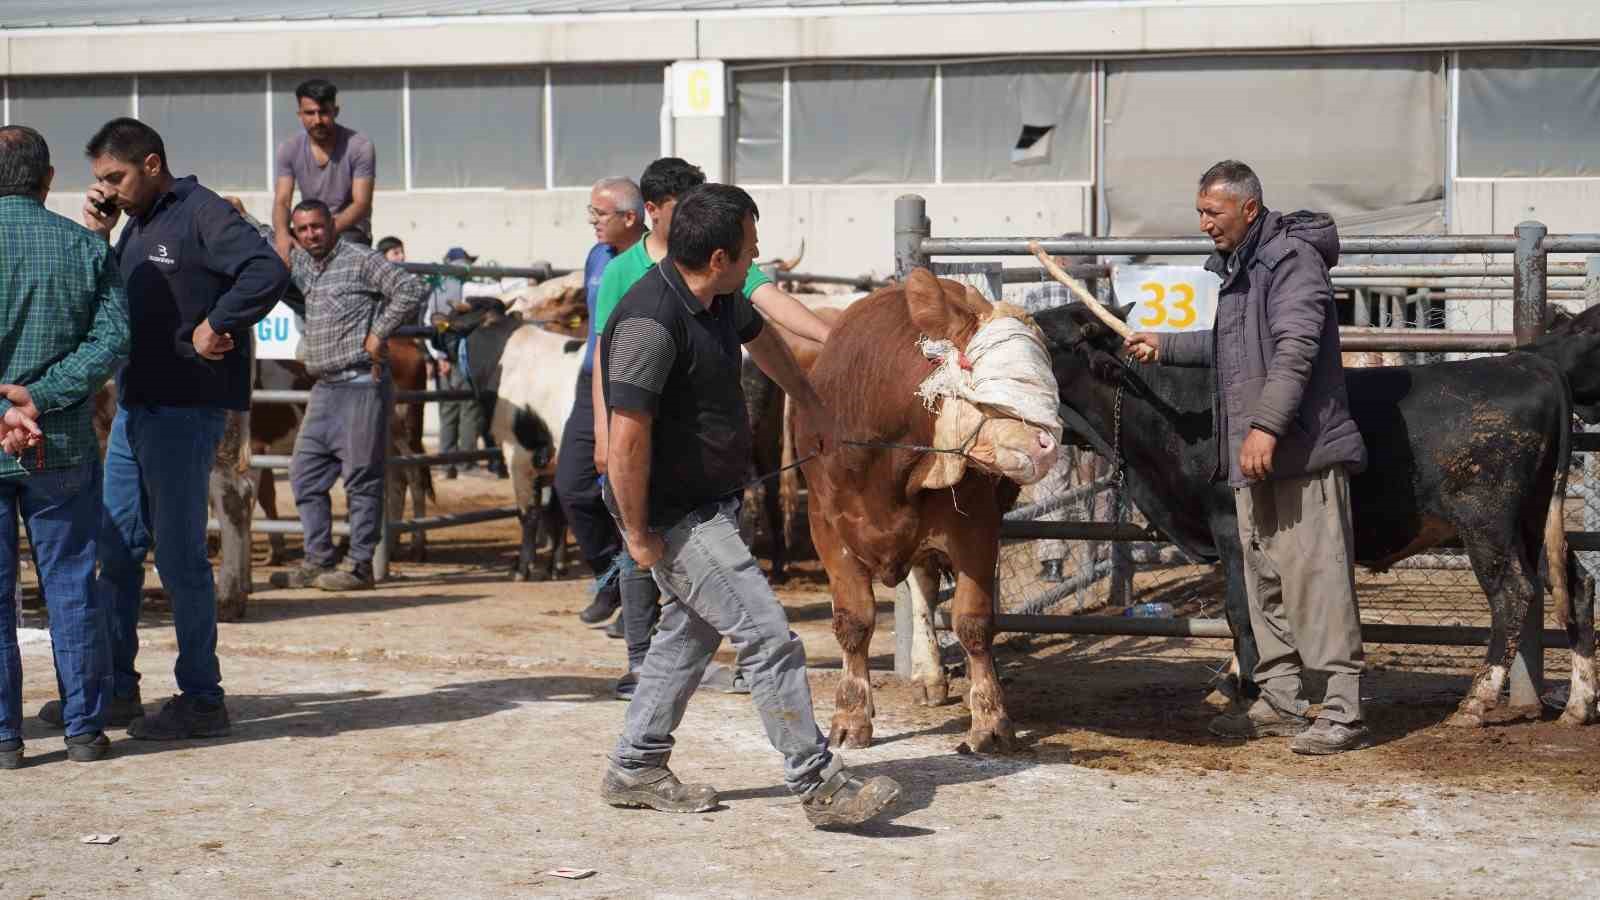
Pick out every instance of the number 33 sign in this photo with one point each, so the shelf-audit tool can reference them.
(1168, 298)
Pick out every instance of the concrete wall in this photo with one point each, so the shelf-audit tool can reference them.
(847, 230)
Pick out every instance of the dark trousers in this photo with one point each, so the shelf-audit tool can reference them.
(578, 484)
(345, 433)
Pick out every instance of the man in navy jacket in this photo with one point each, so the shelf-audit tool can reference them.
(199, 278)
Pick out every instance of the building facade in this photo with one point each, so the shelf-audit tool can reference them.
(492, 119)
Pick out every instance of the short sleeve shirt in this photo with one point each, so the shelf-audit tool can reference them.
(671, 357)
(352, 157)
(624, 272)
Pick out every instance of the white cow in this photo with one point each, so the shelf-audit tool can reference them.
(525, 377)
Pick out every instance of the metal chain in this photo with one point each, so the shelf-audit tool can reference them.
(1119, 467)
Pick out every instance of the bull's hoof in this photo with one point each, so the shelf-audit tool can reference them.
(1466, 718)
(231, 612)
(1577, 715)
(850, 729)
(930, 692)
(997, 738)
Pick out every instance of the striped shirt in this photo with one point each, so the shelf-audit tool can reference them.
(351, 292)
(63, 327)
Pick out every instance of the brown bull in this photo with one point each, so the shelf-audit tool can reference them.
(889, 512)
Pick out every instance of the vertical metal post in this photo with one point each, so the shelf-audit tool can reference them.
(380, 554)
(902, 630)
(1527, 316)
(1528, 283)
(911, 226)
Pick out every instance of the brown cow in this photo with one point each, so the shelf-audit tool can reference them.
(893, 512)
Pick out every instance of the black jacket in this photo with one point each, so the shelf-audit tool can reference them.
(193, 257)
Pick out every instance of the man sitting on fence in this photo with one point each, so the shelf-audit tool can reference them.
(355, 299)
(1290, 439)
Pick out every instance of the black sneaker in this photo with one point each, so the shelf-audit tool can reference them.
(615, 629)
(450, 473)
(11, 754)
(657, 789)
(357, 578)
(626, 685)
(90, 746)
(846, 800)
(603, 606)
(122, 711)
(304, 576)
(183, 717)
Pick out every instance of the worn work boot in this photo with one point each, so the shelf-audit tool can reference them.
(88, 747)
(183, 717)
(122, 711)
(11, 754)
(1326, 737)
(655, 788)
(1261, 720)
(303, 576)
(847, 800)
(605, 604)
(356, 578)
(626, 685)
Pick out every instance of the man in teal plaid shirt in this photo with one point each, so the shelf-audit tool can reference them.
(63, 332)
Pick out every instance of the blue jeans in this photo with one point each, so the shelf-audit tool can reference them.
(158, 473)
(61, 510)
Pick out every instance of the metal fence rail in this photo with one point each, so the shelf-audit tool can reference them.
(1426, 290)
(390, 527)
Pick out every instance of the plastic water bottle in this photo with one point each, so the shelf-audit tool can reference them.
(1149, 611)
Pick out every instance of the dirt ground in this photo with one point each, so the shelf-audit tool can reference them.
(444, 736)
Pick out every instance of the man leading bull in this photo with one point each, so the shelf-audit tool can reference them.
(680, 439)
(1290, 444)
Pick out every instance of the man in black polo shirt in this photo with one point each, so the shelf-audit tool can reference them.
(199, 278)
(680, 442)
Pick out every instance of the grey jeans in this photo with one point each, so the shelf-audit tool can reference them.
(717, 590)
(1301, 587)
(345, 432)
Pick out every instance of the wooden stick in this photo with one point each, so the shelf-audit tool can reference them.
(1082, 293)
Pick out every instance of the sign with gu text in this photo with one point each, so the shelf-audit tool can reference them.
(1168, 298)
(278, 335)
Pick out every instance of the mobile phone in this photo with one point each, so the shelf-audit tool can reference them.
(105, 207)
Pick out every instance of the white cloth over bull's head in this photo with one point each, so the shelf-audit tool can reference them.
(996, 399)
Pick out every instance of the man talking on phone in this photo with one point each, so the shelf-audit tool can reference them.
(198, 279)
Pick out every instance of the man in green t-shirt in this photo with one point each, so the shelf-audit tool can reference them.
(663, 182)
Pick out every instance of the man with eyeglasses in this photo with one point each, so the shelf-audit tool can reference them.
(616, 211)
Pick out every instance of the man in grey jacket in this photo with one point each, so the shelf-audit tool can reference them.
(1289, 445)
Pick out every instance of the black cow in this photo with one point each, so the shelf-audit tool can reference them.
(1472, 449)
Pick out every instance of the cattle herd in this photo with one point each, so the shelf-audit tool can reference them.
(1472, 451)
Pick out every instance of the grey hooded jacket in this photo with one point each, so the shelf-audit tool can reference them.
(1275, 346)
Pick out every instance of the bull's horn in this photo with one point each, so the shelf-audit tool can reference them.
(1082, 293)
(787, 265)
